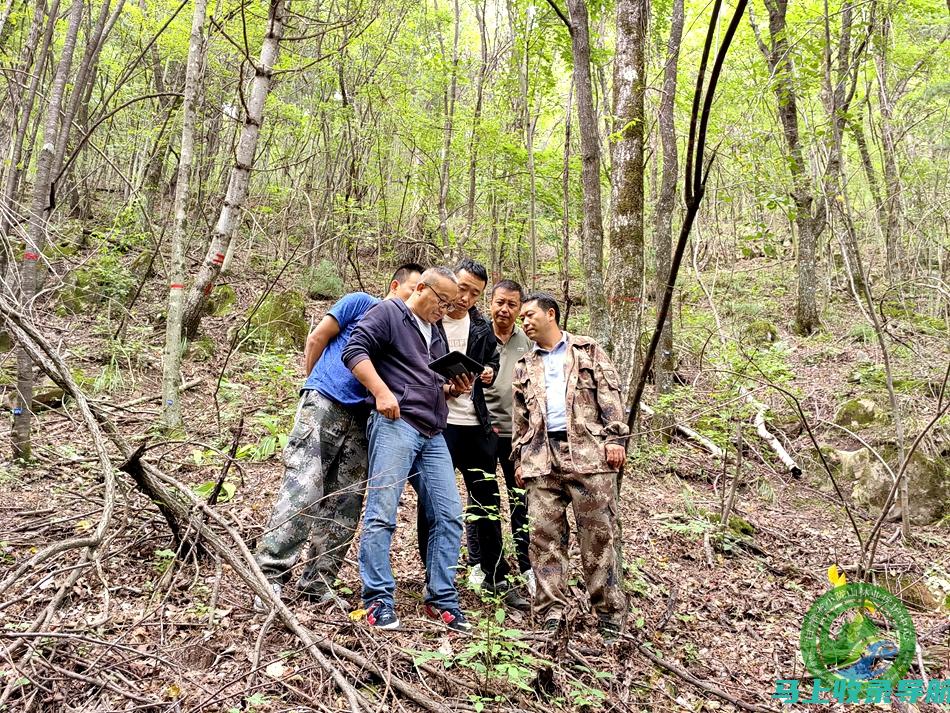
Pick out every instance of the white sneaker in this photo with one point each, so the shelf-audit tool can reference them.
(532, 583)
(260, 605)
(476, 577)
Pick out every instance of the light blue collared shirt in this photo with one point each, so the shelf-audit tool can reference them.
(555, 384)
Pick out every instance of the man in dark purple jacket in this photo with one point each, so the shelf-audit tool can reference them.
(389, 353)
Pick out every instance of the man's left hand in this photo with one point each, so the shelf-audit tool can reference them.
(461, 384)
(616, 455)
(487, 375)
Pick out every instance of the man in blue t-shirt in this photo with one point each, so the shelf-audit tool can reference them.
(325, 457)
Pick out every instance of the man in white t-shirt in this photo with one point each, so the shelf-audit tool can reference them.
(469, 433)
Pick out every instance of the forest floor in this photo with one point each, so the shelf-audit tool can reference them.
(145, 631)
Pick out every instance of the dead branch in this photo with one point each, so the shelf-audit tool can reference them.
(767, 435)
(152, 397)
(714, 450)
(133, 468)
(699, 683)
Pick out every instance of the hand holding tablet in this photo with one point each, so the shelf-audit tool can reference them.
(456, 364)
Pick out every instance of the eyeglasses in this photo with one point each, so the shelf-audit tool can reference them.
(444, 304)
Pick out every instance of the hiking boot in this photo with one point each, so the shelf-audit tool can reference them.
(510, 596)
(380, 615)
(609, 630)
(260, 605)
(551, 625)
(452, 618)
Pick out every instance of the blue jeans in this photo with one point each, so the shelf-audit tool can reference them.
(397, 453)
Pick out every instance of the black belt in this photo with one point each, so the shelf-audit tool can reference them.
(557, 435)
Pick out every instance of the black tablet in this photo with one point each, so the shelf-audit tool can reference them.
(455, 364)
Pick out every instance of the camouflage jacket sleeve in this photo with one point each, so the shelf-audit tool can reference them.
(609, 397)
(519, 410)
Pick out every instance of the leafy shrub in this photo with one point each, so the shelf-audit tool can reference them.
(104, 279)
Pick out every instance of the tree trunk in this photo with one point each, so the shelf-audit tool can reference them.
(892, 187)
(239, 181)
(566, 202)
(592, 249)
(837, 104)
(529, 125)
(449, 108)
(23, 412)
(4, 16)
(171, 359)
(809, 223)
(476, 116)
(666, 202)
(857, 131)
(10, 118)
(84, 75)
(625, 276)
(21, 120)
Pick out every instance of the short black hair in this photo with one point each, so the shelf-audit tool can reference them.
(473, 268)
(509, 285)
(403, 271)
(545, 301)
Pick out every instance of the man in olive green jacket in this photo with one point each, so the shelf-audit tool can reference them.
(568, 440)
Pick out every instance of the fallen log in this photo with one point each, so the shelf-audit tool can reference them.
(768, 436)
(689, 433)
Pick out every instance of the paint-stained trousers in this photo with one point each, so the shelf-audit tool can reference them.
(320, 497)
(593, 499)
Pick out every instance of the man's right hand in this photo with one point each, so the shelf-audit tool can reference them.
(519, 479)
(387, 405)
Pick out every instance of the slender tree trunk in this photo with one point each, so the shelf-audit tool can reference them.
(85, 73)
(171, 359)
(666, 201)
(592, 248)
(21, 120)
(476, 116)
(10, 119)
(625, 277)
(37, 230)
(892, 186)
(240, 173)
(532, 199)
(446, 157)
(4, 16)
(837, 103)
(566, 203)
(810, 222)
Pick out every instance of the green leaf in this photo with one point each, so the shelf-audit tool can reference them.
(205, 489)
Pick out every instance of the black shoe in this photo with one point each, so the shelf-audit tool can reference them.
(452, 618)
(551, 625)
(380, 615)
(510, 596)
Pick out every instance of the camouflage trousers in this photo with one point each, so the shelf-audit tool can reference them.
(320, 497)
(592, 496)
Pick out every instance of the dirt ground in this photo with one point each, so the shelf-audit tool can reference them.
(143, 630)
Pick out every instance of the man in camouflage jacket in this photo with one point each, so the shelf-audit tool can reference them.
(568, 440)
